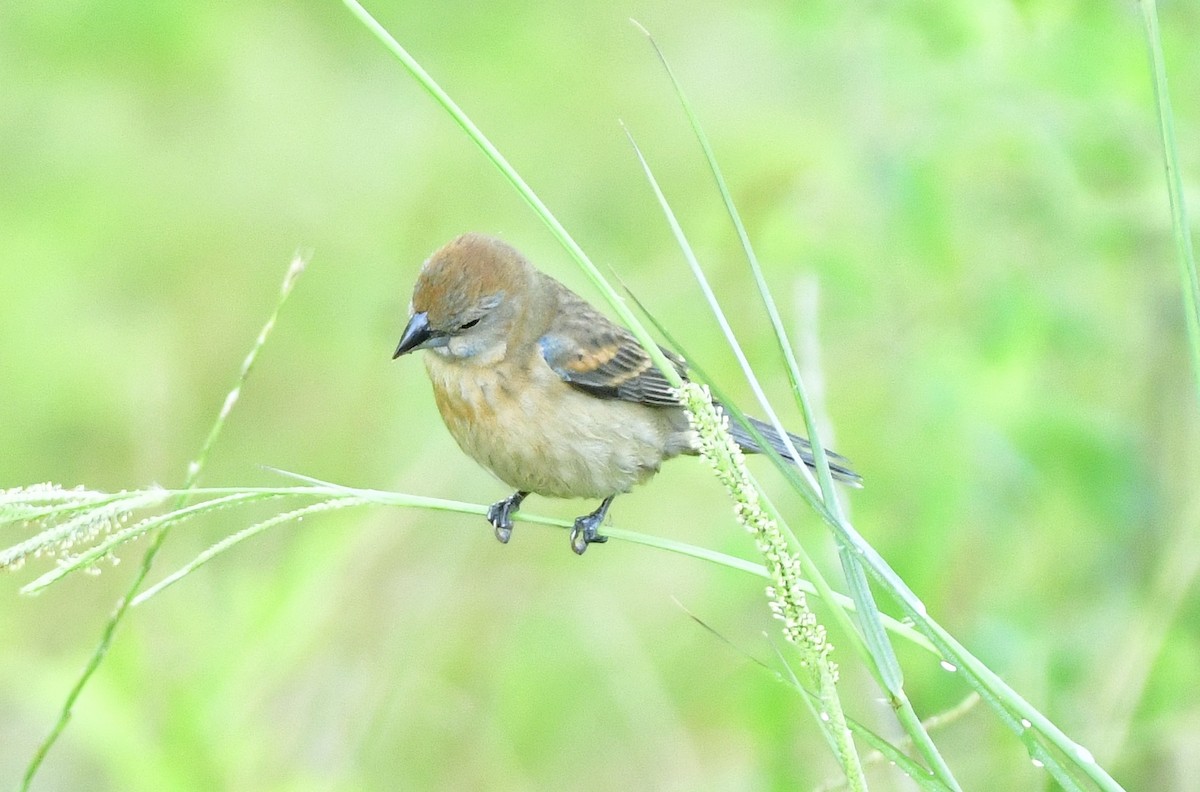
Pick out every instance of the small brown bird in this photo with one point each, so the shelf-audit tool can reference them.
(546, 392)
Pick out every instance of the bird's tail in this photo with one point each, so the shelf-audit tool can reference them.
(839, 466)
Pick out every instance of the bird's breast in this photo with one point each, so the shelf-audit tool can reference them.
(537, 433)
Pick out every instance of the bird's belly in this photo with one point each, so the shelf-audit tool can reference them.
(546, 437)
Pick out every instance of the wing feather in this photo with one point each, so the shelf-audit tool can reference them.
(599, 357)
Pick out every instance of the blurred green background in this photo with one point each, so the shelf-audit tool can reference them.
(960, 206)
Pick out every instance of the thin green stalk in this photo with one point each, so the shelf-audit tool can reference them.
(850, 544)
(523, 189)
(193, 473)
(242, 535)
(787, 599)
(882, 657)
(886, 751)
(825, 676)
(333, 496)
(824, 477)
(883, 749)
(1182, 229)
(815, 585)
(711, 298)
(889, 670)
(1169, 606)
(1014, 711)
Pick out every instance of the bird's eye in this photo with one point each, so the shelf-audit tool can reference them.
(469, 324)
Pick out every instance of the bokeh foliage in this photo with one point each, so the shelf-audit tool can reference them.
(976, 190)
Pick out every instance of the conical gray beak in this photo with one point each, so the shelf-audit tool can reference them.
(417, 335)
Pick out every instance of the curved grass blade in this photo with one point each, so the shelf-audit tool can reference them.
(884, 658)
(519, 184)
(1181, 227)
(991, 688)
(193, 473)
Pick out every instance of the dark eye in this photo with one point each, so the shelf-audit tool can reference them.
(469, 324)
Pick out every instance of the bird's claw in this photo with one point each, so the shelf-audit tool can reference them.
(500, 513)
(586, 532)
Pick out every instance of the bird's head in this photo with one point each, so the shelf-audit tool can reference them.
(465, 300)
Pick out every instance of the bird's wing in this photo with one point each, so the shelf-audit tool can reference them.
(603, 359)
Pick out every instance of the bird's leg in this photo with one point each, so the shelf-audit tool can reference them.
(500, 513)
(585, 531)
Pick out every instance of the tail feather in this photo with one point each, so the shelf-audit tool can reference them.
(839, 466)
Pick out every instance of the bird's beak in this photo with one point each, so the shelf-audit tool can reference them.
(417, 335)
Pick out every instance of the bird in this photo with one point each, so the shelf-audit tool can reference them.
(546, 392)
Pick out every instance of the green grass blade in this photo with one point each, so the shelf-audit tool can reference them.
(999, 695)
(193, 473)
(1182, 228)
(884, 657)
(922, 777)
(715, 307)
(216, 498)
(824, 477)
(520, 185)
(842, 740)
(841, 610)
(878, 650)
(241, 536)
(881, 651)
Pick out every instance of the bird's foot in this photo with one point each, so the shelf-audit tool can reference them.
(500, 513)
(586, 530)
